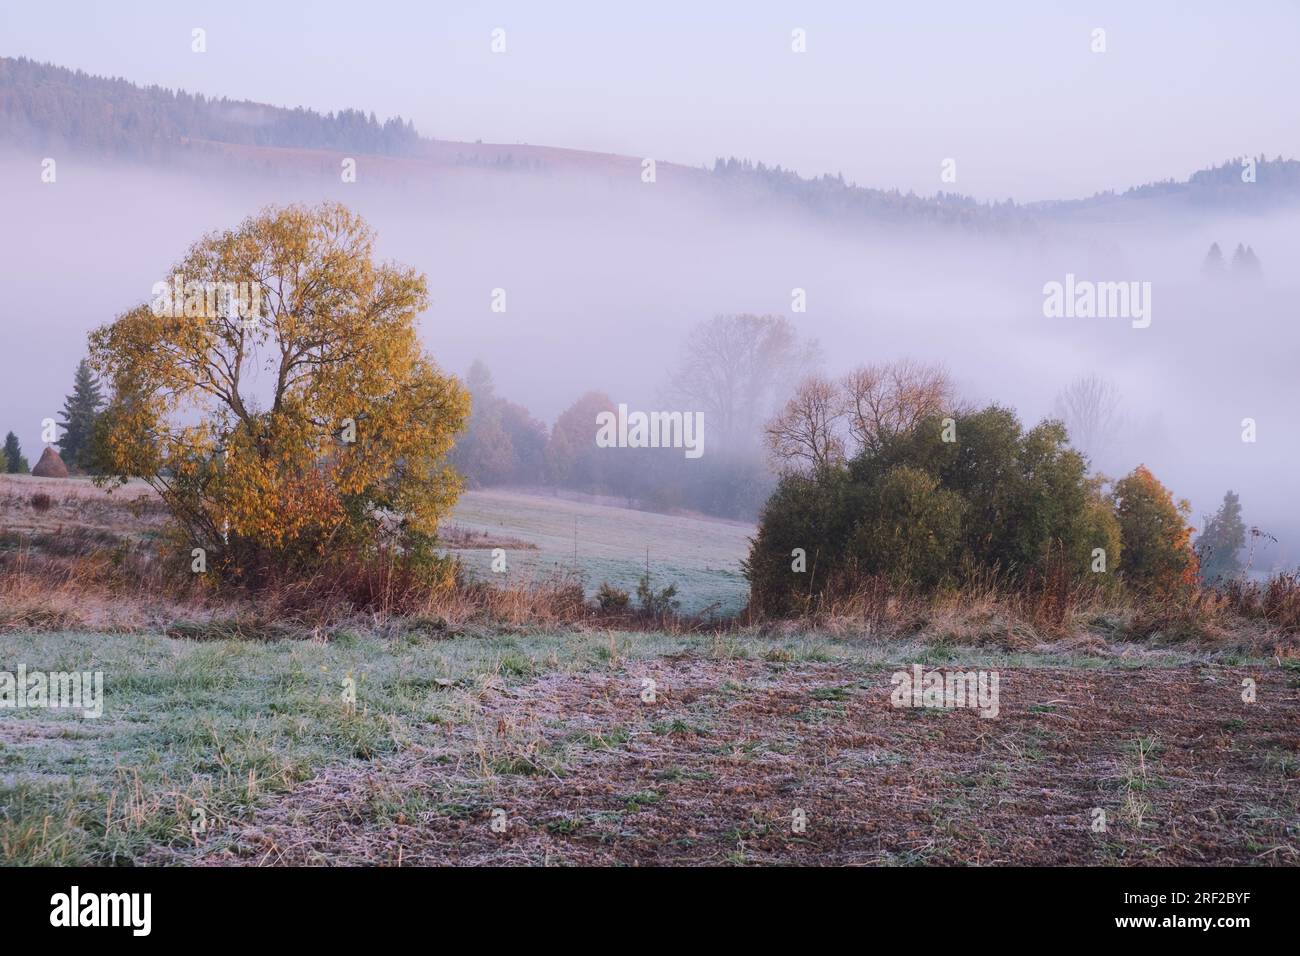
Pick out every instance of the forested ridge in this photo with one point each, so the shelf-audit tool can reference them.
(51, 106)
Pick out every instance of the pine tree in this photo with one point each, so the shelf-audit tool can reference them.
(1241, 261)
(1222, 540)
(1245, 264)
(80, 410)
(1250, 262)
(15, 463)
(1213, 265)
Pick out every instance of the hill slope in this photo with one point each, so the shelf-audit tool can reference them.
(45, 106)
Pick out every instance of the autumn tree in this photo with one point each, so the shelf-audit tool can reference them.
(292, 415)
(503, 442)
(572, 457)
(1155, 536)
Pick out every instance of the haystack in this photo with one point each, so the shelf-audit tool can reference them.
(50, 465)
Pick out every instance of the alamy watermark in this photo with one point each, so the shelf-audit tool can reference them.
(1085, 299)
(54, 690)
(947, 690)
(75, 908)
(181, 299)
(651, 430)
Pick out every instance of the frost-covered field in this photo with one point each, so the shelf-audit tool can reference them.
(701, 556)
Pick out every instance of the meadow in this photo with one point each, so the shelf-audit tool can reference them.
(485, 733)
(248, 752)
(701, 556)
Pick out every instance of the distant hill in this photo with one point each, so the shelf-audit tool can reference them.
(1220, 188)
(49, 106)
(46, 107)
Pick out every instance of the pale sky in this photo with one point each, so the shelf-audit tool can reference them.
(1011, 91)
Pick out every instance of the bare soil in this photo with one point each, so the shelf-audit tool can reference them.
(716, 769)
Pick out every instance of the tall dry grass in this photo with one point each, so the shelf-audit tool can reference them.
(1054, 609)
(71, 559)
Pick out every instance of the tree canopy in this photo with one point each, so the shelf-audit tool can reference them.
(932, 502)
(297, 421)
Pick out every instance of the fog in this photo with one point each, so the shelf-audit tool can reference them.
(884, 92)
(604, 275)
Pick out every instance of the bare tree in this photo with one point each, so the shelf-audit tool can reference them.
(807, 432)
(827, 420)
(736, 368)
(893, 398)
(1092, 409)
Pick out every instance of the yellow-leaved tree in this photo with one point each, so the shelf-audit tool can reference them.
(276, 396)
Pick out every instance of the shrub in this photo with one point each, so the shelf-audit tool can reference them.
(910, 530)
(611, 599)
(798, 550)
(41, 501)
(927, 512)
(656, 603)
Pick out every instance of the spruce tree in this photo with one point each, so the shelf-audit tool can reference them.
(1222, 540)
(15, 463)
(1239, 264)
(80, 409)
(1250, 262)
(1213, 265)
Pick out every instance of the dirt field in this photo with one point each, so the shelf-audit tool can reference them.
(583, 771)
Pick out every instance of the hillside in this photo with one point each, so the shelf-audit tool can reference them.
(700, 557)
(46, 106)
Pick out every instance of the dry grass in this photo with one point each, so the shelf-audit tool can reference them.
(1131, 705)
(585, 771)
(93, 561)
(990, 612)
(458, 538)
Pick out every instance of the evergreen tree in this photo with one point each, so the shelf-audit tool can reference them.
(15, 463)
(80, 410)
(1250, 262)
(1213, 265)
(1244, 262)
(1222, 540)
